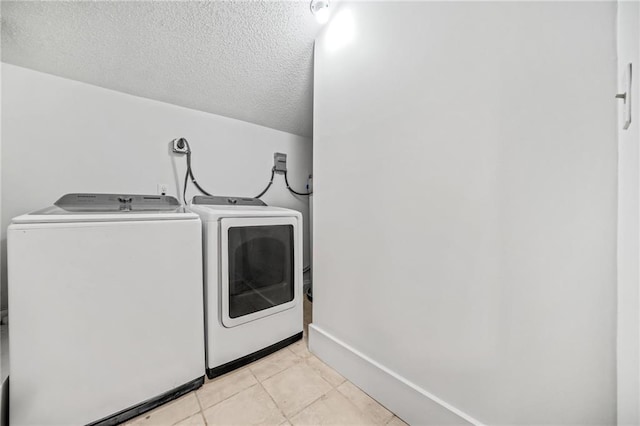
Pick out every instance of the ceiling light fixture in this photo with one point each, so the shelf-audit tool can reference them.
(320, 9)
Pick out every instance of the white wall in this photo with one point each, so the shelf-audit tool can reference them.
(628, 222)
(61, 136)
(4, 350)
(465, 209)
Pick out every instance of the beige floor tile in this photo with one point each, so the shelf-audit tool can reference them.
(195, 420)
(225, 386)
(252, 406)
(332, 409)
(296, 387)
(376, 412)
(326, 372)
(273, 364)
(300, 348)
(169, 414)
(395, 421)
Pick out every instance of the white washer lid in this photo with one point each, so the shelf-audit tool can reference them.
(108, 208)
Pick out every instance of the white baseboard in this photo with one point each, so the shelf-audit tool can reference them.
(407, 400)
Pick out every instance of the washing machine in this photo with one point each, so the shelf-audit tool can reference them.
(106, 305)
(253, 279)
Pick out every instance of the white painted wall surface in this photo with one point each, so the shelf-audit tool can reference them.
(628, 361)
(4, 349)
(61, 136)
(465, 208)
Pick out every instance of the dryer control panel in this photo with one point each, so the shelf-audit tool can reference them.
(227, 201)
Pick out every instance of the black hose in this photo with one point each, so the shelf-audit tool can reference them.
(189, 174)
(184, 190)
(193, 178)
(286, 181)
(264, 191)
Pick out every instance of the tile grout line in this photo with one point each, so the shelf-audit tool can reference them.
(304, 360)
(358, 408)
(318, 398)
(270, 397)
(391, 419)
(258, 381)
(233, 394)
(183, 396)
(301, 360)
(201, 409)
(306, 406)
(345, 380)
(298, 360)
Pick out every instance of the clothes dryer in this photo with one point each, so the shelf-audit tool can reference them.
(253, 279)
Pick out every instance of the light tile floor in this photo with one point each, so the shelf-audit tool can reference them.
(289, 387)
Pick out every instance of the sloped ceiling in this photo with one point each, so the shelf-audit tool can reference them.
(249, 60)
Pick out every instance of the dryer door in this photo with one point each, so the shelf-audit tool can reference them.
(258, 267)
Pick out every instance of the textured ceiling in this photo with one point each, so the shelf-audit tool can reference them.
(250, 60)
